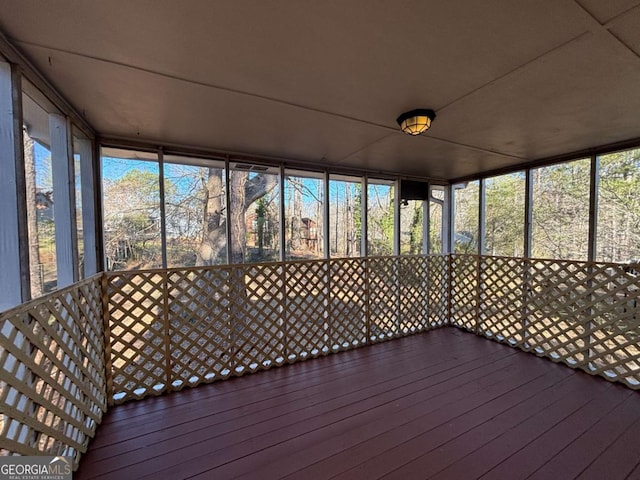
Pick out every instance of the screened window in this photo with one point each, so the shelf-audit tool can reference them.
(560, 227)
(435, 220)
(131, 209)
(411, 229)
(345, 220)
(618, 237)
(195, 211)
(254, 213)
(504, 215)
(466, 209)
(304, 212)
(81, 146)
(40, 197)
(380, 217)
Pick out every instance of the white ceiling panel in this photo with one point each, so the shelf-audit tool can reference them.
(605, 10)
(333, 55)
(627, 29)
(580, 96)
(414, 155)
(124, 102)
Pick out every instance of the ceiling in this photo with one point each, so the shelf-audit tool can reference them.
(511, 81)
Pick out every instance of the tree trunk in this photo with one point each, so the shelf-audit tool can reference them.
(296, 228)
(214, 234)
(237, 211)
(32, 218)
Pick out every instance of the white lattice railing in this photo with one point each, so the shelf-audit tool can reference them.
(586, 315)
(52, 372)
(181, 327)
(169, 329)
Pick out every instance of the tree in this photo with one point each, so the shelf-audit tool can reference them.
(214, 236)
(132, 218)
(619, 207)
(561, 210)
(504, 215)
(35, 278)
(380, 219)
(245, 189)
(415, 234)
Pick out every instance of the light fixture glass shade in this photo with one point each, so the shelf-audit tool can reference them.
(416, 122)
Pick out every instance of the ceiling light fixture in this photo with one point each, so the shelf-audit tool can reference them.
(416, 121)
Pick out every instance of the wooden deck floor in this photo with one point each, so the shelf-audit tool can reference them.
(444, 405)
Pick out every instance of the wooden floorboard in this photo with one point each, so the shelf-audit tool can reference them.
(444, 404)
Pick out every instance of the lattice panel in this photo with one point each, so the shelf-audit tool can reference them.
(464, 295)
(614, 330)
(438, 293)
(137, 334)
(257, 308)
(306, 320)
(199, 313)
(414, 294)
(558, 309)
(182, 327)
(502, 298)
(383, 287)
(52, 373)
(347, 290)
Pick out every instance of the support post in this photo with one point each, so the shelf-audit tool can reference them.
(282, 238)
(14, 254)
(482, 201)
(364, 207)
(227, 203)
(448, 216)
(528, 212)
(89, 221)
(64, 211)
(526, 265)
(396, 218)
(98, 231)
(594, 188)
(481, 250)
(325, 225)
(163, 213)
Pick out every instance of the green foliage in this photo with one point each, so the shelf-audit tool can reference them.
(380, 219)
(261, 212)
(357, 211)
(619, 207)
(560, 227)
(415, 234)
(504, 215)
(561, 210)
(132, 213)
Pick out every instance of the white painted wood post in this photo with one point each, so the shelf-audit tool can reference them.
(364, 207)
(14, 258)
(87, 191)
(396, 218)
(64, 200)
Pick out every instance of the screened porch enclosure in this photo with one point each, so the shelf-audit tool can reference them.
(206, 202)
